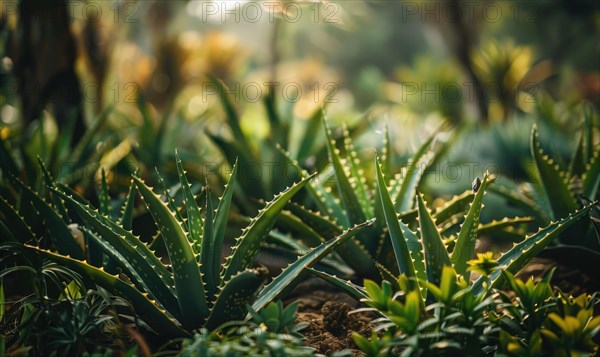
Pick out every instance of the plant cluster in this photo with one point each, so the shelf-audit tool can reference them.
(529, 319)
(167, 258)
(273, 331)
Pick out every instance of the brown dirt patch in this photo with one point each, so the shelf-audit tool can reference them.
(330, 324)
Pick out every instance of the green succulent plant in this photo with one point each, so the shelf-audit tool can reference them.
(557, 191)
(424, 254)
(355, 201)
(538, 320)
(527, 319)
(271, 332)
(455, 320)
(59, 317)
(299, 137)
(276, 318)
(194, 290)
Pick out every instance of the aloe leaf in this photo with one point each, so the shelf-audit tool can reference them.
(527, 205)
(353, 253)
(194, 218)
(348, 196)
(170, 202)
(141, 274)
(146, 308)
(326, 227)
(104, 199)
(310, 135)
(496, 226)
(19, 228)
(332, 204)
(508, 235)
(56, 228)
(584, 151)
(555, 185)
(84, 148)
(188, 281)
(143, 263)
(412, 176)
(51, 183)
(234, 296)
(464, 250)
(357, 176)
(299, 229)
(68, 190)
(221, 219)
(388, 276)
(415, 247)
(578, 163)
(232, 116)
(403, 258)
(321, 196)
(447, 228)
(286, 280)
(278, 128)
(456, 205)
(126, 220)
(346, 286)
(208, 252)
(436, 255)
(248, 245)
(387, 151)
(233, 152)
(408, 217)
(591, 177)
(520, 254)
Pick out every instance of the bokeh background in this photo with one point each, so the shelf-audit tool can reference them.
(490, 68)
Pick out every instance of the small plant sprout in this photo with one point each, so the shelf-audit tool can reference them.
(484, 265)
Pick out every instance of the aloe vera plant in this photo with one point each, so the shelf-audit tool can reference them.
(291, 138)
(527, 319)
(195, 290)
(558, 191)
(423, 254)
(382, 249)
